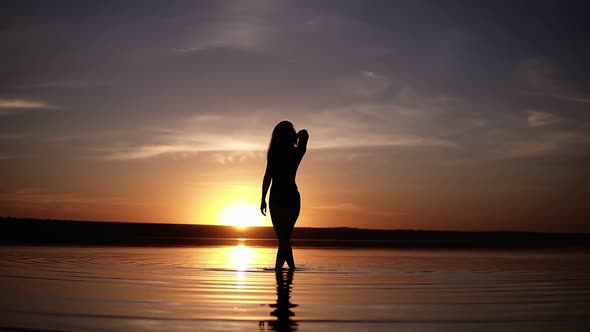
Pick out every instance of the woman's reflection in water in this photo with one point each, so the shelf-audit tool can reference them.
(283, 312)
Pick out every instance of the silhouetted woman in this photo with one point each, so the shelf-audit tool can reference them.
(285, 152)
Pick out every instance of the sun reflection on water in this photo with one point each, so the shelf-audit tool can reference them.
(240, 257)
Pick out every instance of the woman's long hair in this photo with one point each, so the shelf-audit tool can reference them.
(283, 137)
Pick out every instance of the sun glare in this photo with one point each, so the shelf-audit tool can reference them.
(240, 257)
(242, 214)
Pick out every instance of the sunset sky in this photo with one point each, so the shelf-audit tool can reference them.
(459, 115)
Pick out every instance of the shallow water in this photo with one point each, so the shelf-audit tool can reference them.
(232, 288)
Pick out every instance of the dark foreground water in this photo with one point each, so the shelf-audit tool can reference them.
(232, 288)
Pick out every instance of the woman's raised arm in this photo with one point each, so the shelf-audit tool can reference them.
(302, 137)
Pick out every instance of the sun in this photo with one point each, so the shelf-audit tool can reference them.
(241, 214)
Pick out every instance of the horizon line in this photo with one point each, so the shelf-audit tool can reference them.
(244, 228)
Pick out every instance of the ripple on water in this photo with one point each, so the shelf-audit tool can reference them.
(216, 287)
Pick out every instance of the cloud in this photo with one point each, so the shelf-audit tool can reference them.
(539, 76)
(372, 125)
(35, 197)
(228, 150)
(545, 144)
(571, 98)
(12, 136)
(65, 84)
(540, 119)
(145, 152)
(11, 106)
(353, 208)
(23, 104)
(203, 135)
(231, 141)
(236, 157)
(347, 207)
(237, 26)
(212, 44)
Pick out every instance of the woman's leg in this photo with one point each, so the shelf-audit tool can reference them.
(278, 218)
(293, 219)
(283, 221)
(283, 229)
(282, 253)
(289, 255)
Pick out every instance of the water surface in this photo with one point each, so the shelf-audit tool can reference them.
(232, 288)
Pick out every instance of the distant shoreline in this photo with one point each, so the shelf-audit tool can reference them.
(21, 231)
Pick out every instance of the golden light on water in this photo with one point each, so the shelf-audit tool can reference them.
(240, 257)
